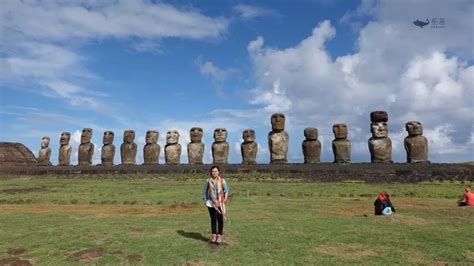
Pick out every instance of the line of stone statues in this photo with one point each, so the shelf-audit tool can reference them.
(380, 145)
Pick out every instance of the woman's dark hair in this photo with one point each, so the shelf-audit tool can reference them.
(214, 167)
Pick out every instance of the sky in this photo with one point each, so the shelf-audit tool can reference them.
(173, 65)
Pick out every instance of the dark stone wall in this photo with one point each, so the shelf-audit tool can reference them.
(327, 172)
(15, 154)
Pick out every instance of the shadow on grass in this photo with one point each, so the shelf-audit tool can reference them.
(193, 235)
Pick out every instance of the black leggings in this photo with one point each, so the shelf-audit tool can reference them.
(217, 222)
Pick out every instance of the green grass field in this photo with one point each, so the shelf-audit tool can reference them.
(162, 220)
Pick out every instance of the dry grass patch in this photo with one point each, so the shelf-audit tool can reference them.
(351, 252)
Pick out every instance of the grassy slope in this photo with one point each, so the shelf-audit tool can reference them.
(272, 222)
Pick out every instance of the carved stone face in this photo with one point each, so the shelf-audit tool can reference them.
(278, 122)
(220, 135)
(311, 133)
(196, 134)
(65, 137)
(340, 131)
(86, 135)
(172, 137)
(248, 135)
(108, 137)
(414, 128)
(151, 137)
(45, 142)
(379, 130)
(128, 136)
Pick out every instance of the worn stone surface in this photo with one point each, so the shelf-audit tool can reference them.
(196, 147)
(86, 149)
(249, 147)
(416, 145)
(172, 148)
(151, 150)
(44, 153)
(311, 146)
(128, 149)
(380, 145)
(220, 147)
(341, 146)
(108, 149)
(15, 154)
(278, 139)
(64, 158)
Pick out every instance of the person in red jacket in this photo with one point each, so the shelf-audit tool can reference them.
(383, 205)
(467, 198)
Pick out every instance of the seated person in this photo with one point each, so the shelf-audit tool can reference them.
(383, 205)
(467, 198)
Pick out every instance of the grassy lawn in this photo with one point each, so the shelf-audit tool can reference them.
(161, 220)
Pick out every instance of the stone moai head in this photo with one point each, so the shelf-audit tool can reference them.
(64, 139)
(378, 127)
(128, 136)
(108, 137)
(172, 137)
(248, 135)
(278, 122)
(340, 131)
(414, 128)
(311, 133)
(86, 135)
(152, 136)
(220, 135)
(196, 134)
(45, 142)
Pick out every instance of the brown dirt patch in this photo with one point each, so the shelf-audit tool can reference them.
(134, 258)
(470, 256)
(350, 252)
(103, 210)
(85, 255)
(16, 251)
(405, 219)
(14, 262)
(416, 257)
(414, 204)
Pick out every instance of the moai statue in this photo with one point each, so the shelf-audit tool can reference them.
(341, 146)
(172, 148)
(220, 147)
(278, 140)
(380, 145)
(128, 149)
(249, 147)
(44, 153)
(195, 147)
(64, 158)
(311, 146)
(108, 150)
(86, 149)
(151, 150)
(416, 145)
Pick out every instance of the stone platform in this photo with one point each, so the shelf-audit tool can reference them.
(327, 172)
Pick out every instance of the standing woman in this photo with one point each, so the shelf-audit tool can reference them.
(215, 196)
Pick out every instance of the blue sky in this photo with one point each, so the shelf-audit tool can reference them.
(163, 65)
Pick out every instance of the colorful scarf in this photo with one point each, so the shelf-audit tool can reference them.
(220, 196)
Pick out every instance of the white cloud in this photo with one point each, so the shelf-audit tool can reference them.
(40, 39)
(59, 20)
(251, 12)
(217, 75)
(412, 74)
